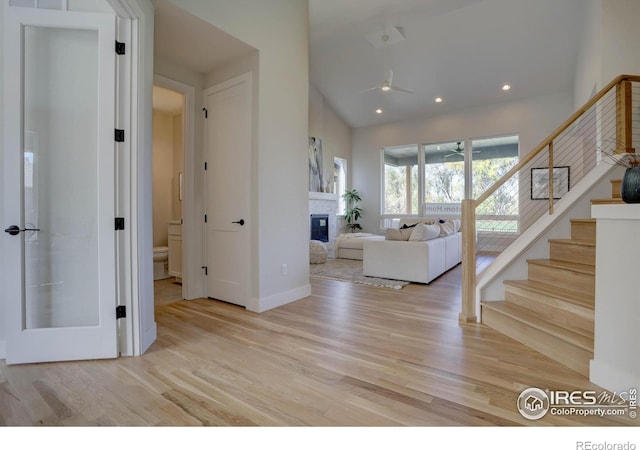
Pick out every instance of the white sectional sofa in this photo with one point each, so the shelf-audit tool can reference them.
(350, 245)
(417, 261)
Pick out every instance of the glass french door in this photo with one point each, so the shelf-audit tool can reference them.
(59, 190)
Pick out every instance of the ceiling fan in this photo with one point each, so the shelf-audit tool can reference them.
(458, 151)
(387, 85)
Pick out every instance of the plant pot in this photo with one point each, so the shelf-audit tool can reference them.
(630, 187)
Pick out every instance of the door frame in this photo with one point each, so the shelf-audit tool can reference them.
(135, 22)
(192, 279)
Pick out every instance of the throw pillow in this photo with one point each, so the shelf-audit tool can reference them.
(447, 228)
(424, 232)
(394, 234)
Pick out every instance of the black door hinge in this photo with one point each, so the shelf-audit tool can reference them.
(121, 311)
(205, 218)
(119, 135)
(206, 270)
(205, 166)
(206, 113)
(119, 223)
(120, 48)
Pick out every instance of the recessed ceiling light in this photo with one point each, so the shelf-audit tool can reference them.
(506, 87)
(378, 111)
(438, 99)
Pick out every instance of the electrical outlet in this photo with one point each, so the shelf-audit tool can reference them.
(284, 269)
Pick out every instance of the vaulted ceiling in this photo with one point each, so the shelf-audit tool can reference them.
(460, 50)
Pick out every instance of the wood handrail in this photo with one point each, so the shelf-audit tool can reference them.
(554, 135)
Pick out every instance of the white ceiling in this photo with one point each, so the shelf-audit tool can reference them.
(167, 101)
(191, 42)
(460, 50)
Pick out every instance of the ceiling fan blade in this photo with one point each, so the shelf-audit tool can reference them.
(375, 88)
(389, 78)
(399, 89)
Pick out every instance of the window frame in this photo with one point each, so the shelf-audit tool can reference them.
(390, 220)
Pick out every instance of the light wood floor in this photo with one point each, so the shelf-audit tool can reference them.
(349, 355)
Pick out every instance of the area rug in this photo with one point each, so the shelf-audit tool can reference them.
(351, 270)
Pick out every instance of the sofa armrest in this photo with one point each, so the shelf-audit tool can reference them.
(420, 262)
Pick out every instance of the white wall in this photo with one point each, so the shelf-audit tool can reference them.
(326, 124)
(621, 38)
(588, 75)
(278, 29)
(532, 119)
(610, 46)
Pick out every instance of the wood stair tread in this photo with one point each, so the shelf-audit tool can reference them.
(524, 315)
(607, 201)
(583, 220)
(577, 298)
(582, 242)
(575, 267)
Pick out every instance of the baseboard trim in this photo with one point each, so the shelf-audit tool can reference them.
(3, 349)
(282, 298)
(606, 375)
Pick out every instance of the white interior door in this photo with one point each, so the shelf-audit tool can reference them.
(59, 190)
(228, 181)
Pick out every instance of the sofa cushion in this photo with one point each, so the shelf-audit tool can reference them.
(394, 234)
(424, 232)
(449, 227)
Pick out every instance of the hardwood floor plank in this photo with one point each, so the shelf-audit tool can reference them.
(348, 355)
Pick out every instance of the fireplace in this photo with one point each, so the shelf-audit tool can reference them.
(320, 227)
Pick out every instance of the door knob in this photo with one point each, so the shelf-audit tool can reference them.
(15, 229)
(239, 222)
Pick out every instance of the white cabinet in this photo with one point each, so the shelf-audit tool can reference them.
(175, 248)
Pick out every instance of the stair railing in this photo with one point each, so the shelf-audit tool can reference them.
(602, 128)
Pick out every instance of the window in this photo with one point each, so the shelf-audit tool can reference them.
(340, 181)
(432, 182)
(400, 182)
(492, 158)
(443, 177)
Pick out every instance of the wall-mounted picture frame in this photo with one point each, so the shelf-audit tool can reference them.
(540, 182)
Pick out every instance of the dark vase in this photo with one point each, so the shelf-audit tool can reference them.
(630, 188)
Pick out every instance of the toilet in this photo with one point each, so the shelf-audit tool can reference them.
(160, 263)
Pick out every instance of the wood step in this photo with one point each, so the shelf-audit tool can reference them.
(583, 229)
(567, 347)
(573, 250)
(615, 188)
(607, 201)
(563, 274)
(562, 307)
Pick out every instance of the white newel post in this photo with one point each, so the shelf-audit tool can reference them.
(615, 365)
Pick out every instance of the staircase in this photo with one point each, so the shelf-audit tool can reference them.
(553, 310)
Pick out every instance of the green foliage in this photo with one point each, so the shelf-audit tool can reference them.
(353, 212)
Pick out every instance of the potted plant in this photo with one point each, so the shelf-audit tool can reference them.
(353, 211)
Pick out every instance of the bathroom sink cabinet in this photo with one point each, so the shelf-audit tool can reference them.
(175, 249)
